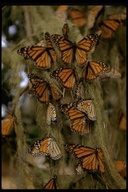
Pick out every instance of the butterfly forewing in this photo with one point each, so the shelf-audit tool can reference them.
(66, 76)
(7, 124)
(52, 183)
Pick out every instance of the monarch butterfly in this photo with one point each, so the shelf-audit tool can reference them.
(47, 146)
(42, 55)
(93, 69)
(42, 89)
(121, 167)
(79, 121)
(87, 107)
(52, 183)
(71, 51)
(110, 25)
(66, 76)
(80, 18)
(7, 124)
(65, 30)
(90, 158)
(51, 114)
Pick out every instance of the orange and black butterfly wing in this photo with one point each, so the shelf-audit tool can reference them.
(66, 76)
(93, 69)
(108, 28)
(66, 47)
(79, 151)
(80, 126)
(7, 125)
(50, 49)
(91, 159)
(40, 147)
(79, 122)
(77, 16)
(100, 158)
(42, 54)
(93, 162)
(83, 46)
(39, 88)
(52, 183)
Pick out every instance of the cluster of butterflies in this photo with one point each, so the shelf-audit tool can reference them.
(81, 112)
(89, 19)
